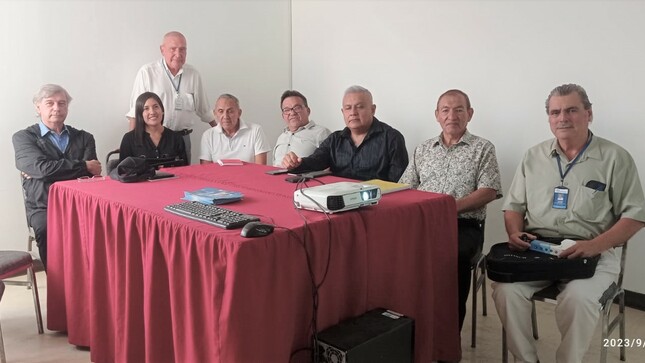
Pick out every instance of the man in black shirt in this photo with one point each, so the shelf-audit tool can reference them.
(366, 149)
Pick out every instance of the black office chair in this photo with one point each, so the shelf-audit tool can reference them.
(111, 163)
(615, 290)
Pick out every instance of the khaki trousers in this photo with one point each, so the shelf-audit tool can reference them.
(576, 313)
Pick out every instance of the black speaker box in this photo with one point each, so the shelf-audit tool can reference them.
(378, 336)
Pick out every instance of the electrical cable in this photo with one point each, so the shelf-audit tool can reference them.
(315, 286)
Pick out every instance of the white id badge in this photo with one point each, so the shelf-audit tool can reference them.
(179, 102)
(560, 197)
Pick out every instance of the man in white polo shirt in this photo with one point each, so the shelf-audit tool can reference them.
(233, 138)
(302, 136)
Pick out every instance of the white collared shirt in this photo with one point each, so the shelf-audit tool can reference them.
(247, 142)
(154, 77)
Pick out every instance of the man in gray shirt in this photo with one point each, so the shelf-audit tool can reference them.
(301, 136)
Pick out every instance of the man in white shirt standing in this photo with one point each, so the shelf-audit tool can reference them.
(179, 86)
(233, 138)
(302, 136)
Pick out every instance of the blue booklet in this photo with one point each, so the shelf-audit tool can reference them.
(213, 196)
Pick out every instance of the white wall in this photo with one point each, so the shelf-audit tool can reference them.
(507, 55)
(94, 49)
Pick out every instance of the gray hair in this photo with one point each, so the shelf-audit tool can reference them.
(228, 96)
(49, 90)
(357, 89)
(567, 89)
(173, 33)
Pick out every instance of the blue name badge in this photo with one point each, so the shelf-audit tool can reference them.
(560, 197)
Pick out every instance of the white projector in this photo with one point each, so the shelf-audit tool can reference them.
(336, 197)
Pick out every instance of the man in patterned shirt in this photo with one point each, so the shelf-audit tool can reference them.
(464, 166)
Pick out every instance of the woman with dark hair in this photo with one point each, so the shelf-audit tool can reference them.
(150, 138)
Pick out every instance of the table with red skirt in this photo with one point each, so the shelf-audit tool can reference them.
(138, 284)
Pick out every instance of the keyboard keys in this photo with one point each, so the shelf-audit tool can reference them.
(211, 214)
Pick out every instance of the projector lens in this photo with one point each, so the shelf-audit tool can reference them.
(365, 195)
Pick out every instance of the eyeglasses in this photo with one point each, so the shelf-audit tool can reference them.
(296, 109)
(89, 179)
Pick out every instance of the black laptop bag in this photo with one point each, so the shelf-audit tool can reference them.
(505, 265)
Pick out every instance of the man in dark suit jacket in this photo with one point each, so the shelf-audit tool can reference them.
(51, 151)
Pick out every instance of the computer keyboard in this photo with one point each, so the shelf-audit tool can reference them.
(211, 214)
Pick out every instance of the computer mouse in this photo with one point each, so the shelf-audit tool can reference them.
(256, 229)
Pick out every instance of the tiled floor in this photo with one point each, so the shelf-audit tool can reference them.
(23, 344)
(21, 339)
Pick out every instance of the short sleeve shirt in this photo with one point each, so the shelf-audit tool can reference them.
(457, 170)
(589, 212)
(247, 142)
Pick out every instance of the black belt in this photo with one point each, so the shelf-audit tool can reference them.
(470, 222)
(184, 132)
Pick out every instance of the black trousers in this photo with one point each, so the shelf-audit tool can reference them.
(38, 222)
(470, 241)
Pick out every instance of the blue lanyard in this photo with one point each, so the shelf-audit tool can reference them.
(557, 155)
(172, 82)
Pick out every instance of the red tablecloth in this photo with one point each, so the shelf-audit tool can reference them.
(138, 284)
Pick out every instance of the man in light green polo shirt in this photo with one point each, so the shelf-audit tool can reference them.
(577, 186)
